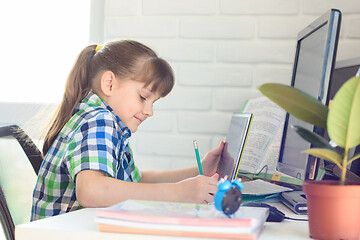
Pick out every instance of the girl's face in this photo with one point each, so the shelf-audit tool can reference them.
(132, 102)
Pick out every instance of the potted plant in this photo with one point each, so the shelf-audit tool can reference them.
(333, 206)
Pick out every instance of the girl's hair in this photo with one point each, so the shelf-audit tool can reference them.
(125, 58)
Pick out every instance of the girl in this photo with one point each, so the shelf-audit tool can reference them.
(88, 162)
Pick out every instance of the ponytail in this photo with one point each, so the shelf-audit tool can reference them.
(76, 88)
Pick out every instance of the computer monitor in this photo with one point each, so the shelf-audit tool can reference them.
(344, 70)
(312, 71)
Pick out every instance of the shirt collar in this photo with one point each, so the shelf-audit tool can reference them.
(93, 100)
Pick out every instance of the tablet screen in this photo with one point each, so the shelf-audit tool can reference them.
(234, 145)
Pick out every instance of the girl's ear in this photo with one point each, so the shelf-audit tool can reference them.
(107, 82)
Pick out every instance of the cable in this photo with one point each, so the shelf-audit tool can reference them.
(295, 219)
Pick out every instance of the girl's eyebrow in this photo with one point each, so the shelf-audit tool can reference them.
(147, 90)
(151, 93)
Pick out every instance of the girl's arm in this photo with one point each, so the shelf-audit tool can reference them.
(94, 189)
(169, 176)
(209, 164)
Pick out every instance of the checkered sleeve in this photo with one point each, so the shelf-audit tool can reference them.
(95, 146)
(136, 174)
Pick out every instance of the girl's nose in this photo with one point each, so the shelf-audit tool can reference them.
(148, 110)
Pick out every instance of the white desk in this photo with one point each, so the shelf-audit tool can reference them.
(80, 225)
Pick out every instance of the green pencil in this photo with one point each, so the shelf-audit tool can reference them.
(198, 157)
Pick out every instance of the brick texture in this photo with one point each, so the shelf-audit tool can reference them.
(221, 51)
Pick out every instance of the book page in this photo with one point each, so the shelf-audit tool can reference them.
(265, 124)
(259, 187)
(271, 155)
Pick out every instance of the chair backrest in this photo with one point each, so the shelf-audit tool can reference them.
(5, 218)
(20, 160)
(30, 149)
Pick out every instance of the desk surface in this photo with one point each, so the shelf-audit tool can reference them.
(80, 225)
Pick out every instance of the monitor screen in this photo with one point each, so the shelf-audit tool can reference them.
(344, 70)
(313, 66)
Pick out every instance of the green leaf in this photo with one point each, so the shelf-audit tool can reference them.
(326, 154)
(297, 103)
(344, 115)
(312, 137)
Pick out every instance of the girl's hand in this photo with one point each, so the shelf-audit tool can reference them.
(211, 160)
(200, 189)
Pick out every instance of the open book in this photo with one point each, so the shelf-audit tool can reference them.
(180, 219)
(265, 135)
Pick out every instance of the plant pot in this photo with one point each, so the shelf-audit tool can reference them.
(333, 210)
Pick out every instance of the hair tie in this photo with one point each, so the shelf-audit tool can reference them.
(98, 47)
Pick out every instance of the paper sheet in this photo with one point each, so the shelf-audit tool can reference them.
(259, 187)
(265, 135)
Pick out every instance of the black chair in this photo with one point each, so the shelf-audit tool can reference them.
(30, 149)
(12, 189)
(6, 220)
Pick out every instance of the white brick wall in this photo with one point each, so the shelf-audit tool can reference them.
(221, 51)
(176, 7)
(259, 7)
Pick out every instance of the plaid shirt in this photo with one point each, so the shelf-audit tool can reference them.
(94, 138)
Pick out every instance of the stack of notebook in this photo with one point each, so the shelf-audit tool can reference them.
(180, 219)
